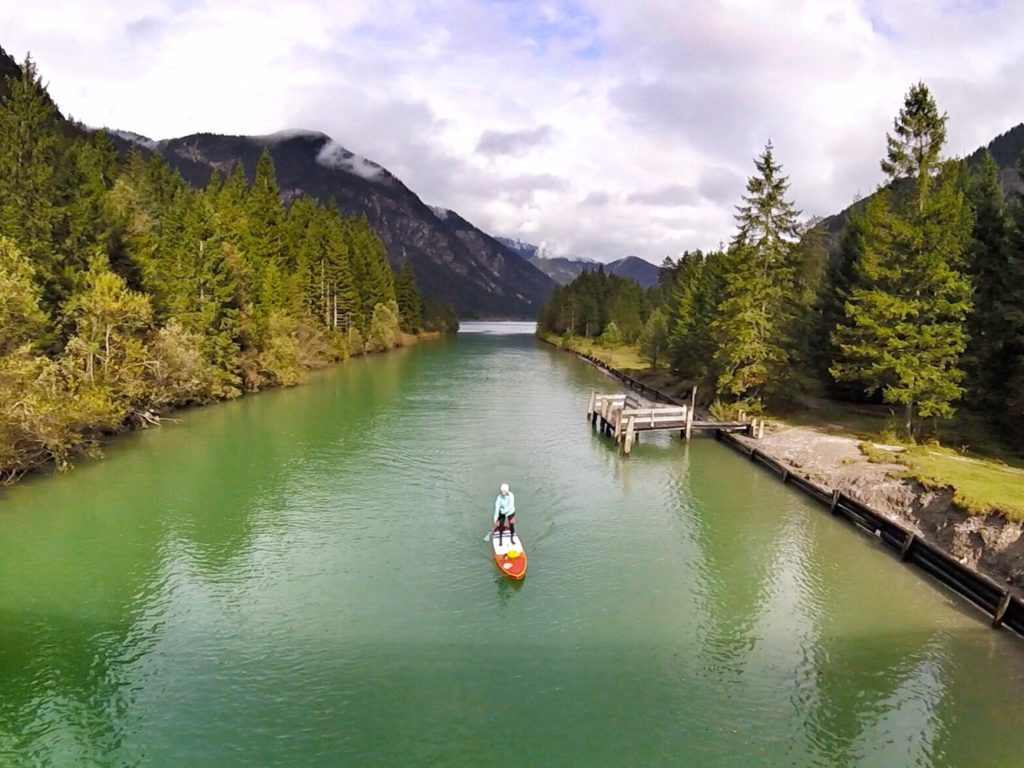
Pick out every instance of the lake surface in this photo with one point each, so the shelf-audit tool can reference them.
(301, 578)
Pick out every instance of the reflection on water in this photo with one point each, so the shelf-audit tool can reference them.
(300, 578)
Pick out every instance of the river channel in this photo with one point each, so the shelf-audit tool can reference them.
(300, 578)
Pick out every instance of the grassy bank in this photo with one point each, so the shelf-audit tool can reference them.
(984, 476)
(624, 357)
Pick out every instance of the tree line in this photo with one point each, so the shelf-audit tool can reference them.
(123, 291)
(919, 303)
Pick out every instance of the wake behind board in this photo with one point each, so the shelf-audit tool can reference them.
(509, 555)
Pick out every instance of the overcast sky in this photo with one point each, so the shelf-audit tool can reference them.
(596, 128)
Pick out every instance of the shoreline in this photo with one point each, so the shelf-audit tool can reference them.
(989, 545)
(155, 416)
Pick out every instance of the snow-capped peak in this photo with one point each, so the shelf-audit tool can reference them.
(441, 213)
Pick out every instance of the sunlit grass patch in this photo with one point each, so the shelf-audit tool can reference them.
(980, 485)
(624, 357)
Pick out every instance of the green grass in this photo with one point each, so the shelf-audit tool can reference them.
(981, 486)
(623, 357)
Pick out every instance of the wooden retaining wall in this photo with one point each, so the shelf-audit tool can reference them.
(1002, 607)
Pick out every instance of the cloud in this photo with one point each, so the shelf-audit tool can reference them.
(513, 142)
(668, 195)
(598, 127)
(596, 199)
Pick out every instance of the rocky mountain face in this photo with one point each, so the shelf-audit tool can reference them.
(454, 262)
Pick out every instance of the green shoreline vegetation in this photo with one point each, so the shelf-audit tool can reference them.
(909, 329)
(126, 293)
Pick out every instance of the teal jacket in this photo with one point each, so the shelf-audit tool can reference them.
(504, 505)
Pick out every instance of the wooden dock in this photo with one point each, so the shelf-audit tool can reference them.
(623, 417)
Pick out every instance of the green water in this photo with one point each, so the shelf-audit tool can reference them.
(300, 578)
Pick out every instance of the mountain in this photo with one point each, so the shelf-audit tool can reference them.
(454, 261)
(526, 250)
(637, 269)
(564, 270)
(1006, 149)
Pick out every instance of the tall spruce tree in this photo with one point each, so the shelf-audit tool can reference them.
(755, 316)
(915, 145)
(904, 323)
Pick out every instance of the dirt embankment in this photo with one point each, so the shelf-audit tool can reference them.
(989, 543)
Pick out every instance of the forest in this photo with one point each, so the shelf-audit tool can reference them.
(917, 303)
(127, 293)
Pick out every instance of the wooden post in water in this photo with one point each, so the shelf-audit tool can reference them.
(630, 433)
(689, 419)
(760, 429)
(590, 405)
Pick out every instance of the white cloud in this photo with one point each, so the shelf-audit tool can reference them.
(597, 127)
(333, 155)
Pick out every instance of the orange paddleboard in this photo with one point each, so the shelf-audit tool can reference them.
(509, 555)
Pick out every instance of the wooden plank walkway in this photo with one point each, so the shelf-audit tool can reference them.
(624, 416)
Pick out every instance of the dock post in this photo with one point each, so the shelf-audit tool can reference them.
(627, 444)
(590, 405)
(760, 429)
(689, 419)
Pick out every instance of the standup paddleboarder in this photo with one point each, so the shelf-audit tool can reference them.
(504, 512)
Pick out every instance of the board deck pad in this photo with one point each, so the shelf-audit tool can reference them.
(513, 567)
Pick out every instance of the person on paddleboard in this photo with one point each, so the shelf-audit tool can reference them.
(504, 512)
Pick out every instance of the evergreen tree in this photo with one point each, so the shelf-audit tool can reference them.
(341, 293)
(756, 312)
(1006, 355)
(904, 325)
(914, 147)
(410, 305)
(843, 278)
(31, 148)
(693, 307)
(988, 269)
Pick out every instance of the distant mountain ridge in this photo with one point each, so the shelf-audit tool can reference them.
(454, 261)
(563, 270)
